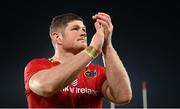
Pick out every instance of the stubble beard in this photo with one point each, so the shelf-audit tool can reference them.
(77, 49)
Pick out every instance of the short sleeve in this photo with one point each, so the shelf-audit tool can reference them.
(33, 67)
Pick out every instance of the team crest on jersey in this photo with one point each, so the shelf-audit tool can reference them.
(90, 73)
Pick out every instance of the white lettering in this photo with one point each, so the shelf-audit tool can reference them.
(80, 90)
(65, 89)
(72, 89)
(83, 90)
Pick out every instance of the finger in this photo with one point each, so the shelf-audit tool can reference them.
(104, 18)
(94, 17)
(104, 14)
(101, 28)
(103, 23)
(97, 25)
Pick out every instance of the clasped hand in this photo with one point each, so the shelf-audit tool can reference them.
(104, 29)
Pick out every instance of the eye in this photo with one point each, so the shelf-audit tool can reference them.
(75, 28)
(84, 29)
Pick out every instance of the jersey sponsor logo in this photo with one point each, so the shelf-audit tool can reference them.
(90, 73)
(75, 89)
(82, 90)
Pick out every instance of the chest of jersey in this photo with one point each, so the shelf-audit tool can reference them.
(83, 91)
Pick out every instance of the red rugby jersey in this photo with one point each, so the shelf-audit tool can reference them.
(84, 91)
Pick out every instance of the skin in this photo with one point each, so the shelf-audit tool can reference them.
(69, 48)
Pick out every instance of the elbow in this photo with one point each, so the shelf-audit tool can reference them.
(124, 99)
(46, 92)
(41, 88)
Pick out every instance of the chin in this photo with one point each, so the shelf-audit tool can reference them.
(80, 47)
(83, 47)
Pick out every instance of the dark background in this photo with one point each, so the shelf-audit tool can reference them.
(146, 36)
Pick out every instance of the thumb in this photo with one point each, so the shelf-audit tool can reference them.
(97, 26)
(101, 27)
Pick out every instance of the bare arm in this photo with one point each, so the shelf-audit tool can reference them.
(47, 82)
(117, 87)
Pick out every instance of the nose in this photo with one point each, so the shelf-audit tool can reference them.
(83, 32)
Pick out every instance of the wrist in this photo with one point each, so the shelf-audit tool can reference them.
(91, 51)
(107, 48)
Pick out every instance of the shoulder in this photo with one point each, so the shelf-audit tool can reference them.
(36, 62)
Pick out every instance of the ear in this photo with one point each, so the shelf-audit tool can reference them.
(57, 37)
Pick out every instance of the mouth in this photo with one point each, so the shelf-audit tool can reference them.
(82, 39)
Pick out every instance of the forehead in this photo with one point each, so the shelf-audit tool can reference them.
(76, 23)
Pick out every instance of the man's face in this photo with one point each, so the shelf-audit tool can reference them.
(74, 37)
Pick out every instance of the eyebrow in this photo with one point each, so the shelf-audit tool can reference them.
(79, 26)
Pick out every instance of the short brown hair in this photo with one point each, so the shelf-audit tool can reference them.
(61, 21)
